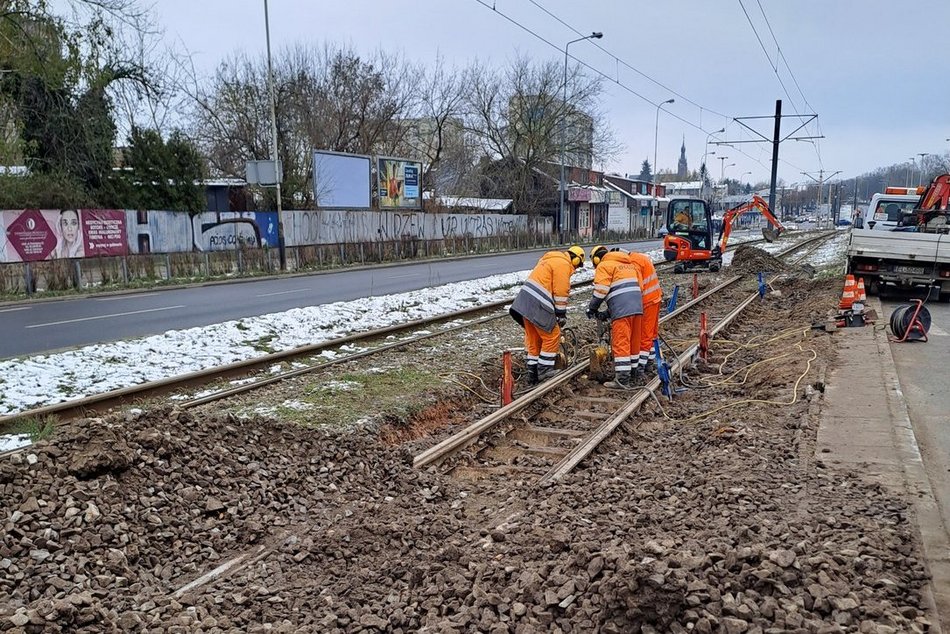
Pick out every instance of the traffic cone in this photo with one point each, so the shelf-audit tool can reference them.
(860, 295)
(847, 296)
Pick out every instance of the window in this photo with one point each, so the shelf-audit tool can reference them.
(891, 210)
(141, 216)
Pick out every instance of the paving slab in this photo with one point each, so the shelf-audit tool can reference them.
(865, 427)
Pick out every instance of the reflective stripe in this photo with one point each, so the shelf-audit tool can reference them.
(540, 289)
(601, 287)
(622, 291)
(545, 300)
(600, 294)
(560, 298)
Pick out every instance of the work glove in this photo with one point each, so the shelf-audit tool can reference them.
(562, 321)
(591, 314)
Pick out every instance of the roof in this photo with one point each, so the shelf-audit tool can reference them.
(224, 182)
(486, 204)
(637, 197)
(683, 184)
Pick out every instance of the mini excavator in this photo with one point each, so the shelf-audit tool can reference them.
(689, 241)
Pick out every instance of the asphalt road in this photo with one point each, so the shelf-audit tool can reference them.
(38, 327)
(922, 370)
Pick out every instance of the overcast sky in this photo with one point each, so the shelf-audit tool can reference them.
(868, 68)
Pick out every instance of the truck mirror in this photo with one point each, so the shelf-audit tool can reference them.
(871, 224)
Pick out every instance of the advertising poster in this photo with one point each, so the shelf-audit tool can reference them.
(398, 183)
(41, 234)
(103, 232)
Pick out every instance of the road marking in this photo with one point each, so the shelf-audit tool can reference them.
(112, 299)
(10, 310)
(404, 275)
(940, 332)
(295, 290)
(132, 312)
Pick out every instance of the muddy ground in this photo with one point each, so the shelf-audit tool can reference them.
(707, 514)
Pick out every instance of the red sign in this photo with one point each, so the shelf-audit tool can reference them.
(103, 232)
(29, 235)
(577, 194)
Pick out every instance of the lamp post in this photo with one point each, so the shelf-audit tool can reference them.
(656, 129)
(920, 172)
(706, 150)
(722, 167)
(913, 163)
(273, 125)
(596, 35)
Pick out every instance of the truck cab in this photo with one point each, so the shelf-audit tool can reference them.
(886, 209)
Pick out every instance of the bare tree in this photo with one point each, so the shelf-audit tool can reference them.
(523, 120)
(329, 98)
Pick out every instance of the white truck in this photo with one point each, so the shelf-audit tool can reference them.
(912, 250)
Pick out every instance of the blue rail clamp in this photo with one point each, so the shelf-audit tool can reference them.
(762, 286)
(663, 372)
(671, 306)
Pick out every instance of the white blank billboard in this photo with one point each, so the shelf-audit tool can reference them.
(341, 181)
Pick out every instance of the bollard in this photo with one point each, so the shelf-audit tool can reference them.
(507, 380)
(695, 285)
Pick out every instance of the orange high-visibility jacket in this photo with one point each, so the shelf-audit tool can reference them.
(617, 281)
(543, 298)
(649, 282)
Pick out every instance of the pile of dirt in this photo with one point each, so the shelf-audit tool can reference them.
(749, 259)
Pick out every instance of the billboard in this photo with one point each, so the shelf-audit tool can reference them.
(31, 235)
(341, 181)
(398, 183)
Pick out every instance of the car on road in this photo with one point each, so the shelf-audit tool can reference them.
(662, 232)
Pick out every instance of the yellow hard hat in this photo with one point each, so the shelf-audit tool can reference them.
(597, 254)
(577, 256)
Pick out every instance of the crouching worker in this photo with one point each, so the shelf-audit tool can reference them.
(541, 309)
(652, 298)
(617, 281)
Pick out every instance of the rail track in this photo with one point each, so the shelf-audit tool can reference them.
(450, 322)
(573, 415)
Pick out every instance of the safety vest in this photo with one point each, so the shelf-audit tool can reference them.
(543, 297)
(617, 281)
(649, 282)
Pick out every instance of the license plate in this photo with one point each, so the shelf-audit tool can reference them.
(912, 270)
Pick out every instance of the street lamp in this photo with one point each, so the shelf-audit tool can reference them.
(920, 173)
(596, 35)
(273, 126)
(706, 150)
(656, 129)
(721, 165)
(913, 163)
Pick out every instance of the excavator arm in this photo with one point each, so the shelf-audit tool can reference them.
(770, 233)
(934, 205)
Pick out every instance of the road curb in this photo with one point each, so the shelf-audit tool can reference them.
(930, 527)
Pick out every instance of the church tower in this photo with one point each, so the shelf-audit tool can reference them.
(682, 169)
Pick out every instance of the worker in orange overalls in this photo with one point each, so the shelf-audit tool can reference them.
(541, 309)
(652, 298)
(617, 281)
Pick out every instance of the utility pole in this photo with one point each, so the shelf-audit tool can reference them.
(920, 173)
(775, 140)
(273, 123)
(821, 181)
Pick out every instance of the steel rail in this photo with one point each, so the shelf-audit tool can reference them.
(464, 437)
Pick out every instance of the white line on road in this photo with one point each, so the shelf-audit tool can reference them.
(295, 290)
(133, 312)
(404, 275)
(112, 299)
(10, 310)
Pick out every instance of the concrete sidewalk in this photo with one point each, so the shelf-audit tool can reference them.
(865, 427)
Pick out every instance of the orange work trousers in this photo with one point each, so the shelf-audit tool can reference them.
(541, 347)
(624, 341)
(650, 329)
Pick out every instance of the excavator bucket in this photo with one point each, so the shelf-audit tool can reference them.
(770, 233)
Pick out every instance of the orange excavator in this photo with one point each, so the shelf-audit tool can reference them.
(689, 241)
(932, 214)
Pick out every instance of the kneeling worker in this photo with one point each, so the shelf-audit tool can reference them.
(541, 309)
(652, 298)
(618, 281)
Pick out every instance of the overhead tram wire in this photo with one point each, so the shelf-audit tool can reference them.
(628, 65)
(774, 65)
(603, 74)
(791, 74)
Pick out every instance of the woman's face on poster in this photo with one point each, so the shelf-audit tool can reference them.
(69, 225)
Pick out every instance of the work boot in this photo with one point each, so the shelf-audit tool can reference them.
(546, 372)
(638, 375)
(621, 381)
(533, 374)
